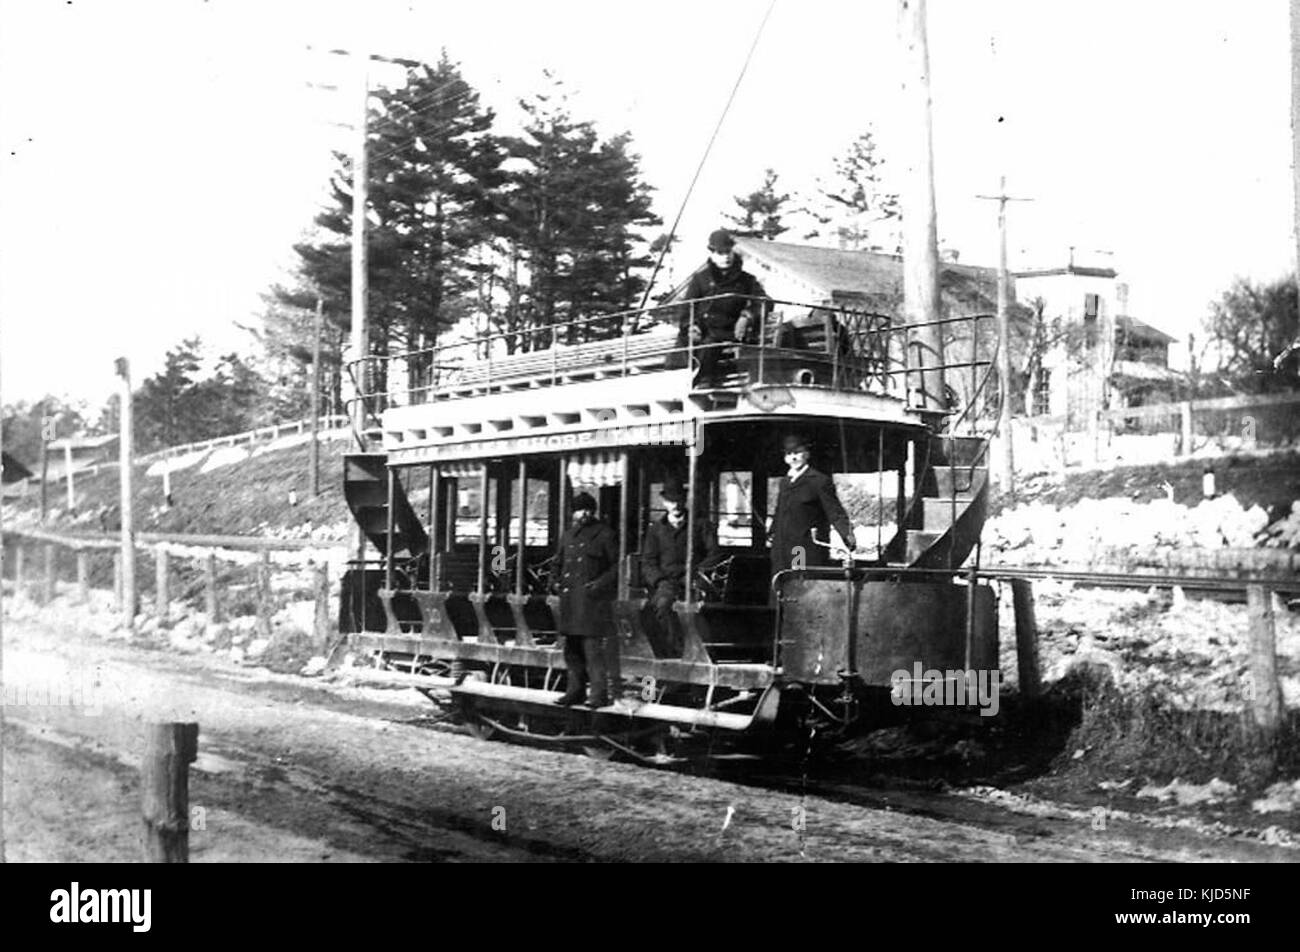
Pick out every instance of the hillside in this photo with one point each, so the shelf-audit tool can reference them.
(229, 491)
(1270, 481)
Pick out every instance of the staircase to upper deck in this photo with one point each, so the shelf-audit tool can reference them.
(944, 522)
(365, 487)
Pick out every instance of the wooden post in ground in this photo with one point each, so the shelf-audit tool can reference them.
(1185, 413)
(162, 603)
(1266, 695)
(323, 628)
(47, 583)
(169, 749)
(117, 581)
(1022, 598)
(264, 596)
(83, 575)
(129, 601)
(211, 606)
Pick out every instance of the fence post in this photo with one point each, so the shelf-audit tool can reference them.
(323, 605)
(1022, 598)
(264, 595)
(211, 606)
(163, 601)
(1185, 412)
(1266, 696)
(169, 749)
(47, 583)
(117, 581)
(83, 575)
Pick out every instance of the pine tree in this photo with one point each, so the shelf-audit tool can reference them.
(434, 167)
(167, 411)
(572, 210)
(761, 211)
(854, 205)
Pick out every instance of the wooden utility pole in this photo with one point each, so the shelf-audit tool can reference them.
(46, 423)
(315, 397)
(67, 473)
(920, 224)
(1007, 474)
(1295, 125)
(125, 457)
(360, 276)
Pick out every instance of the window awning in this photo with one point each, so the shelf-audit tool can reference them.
(462, 470)
(598, 468)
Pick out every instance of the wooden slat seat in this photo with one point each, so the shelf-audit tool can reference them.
(638, 353)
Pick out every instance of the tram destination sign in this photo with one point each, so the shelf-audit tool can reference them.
(667, 433)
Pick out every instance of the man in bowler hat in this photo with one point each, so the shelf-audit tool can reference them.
(806, 505)
(663, 564)
(586, 576)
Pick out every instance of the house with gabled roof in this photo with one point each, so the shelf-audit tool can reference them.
(1111, 358)
(866, 280)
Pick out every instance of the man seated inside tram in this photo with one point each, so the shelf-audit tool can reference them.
(663, 566)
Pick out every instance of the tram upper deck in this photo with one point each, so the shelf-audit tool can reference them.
(625, 378)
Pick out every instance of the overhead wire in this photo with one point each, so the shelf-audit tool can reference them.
(704, 158)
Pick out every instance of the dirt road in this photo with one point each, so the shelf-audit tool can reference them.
(294, 768)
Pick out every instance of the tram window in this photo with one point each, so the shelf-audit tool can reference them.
(469, 510)
(539, 508)
(733, 508)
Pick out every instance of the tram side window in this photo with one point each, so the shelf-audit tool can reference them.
(469, 509)
(732, 510)
(539, 508)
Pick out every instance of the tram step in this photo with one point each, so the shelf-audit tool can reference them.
(962, 480)
(918, 542)
(940, 514)
(958, 450)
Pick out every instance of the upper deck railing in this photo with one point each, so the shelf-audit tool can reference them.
(787, 342)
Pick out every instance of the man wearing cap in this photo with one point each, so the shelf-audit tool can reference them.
(806, 505)
(714, 323)
(585, 576)
(663, 565)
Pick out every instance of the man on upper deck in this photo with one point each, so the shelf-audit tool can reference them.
(712, 324)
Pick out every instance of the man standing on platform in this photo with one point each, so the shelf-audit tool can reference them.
(806, 507)
(586, 579)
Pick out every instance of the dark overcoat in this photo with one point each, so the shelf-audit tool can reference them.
(663, 559)
(586, 578)
(808, 504)
(717, 319)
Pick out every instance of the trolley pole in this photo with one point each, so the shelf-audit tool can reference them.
(920, 223)
(1007, 474)
(125, 451)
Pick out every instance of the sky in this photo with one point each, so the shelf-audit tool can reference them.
(161, 158)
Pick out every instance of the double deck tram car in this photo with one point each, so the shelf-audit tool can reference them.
(467, 494)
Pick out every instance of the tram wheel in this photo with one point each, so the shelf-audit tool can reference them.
(480, 729)
(598, 751)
